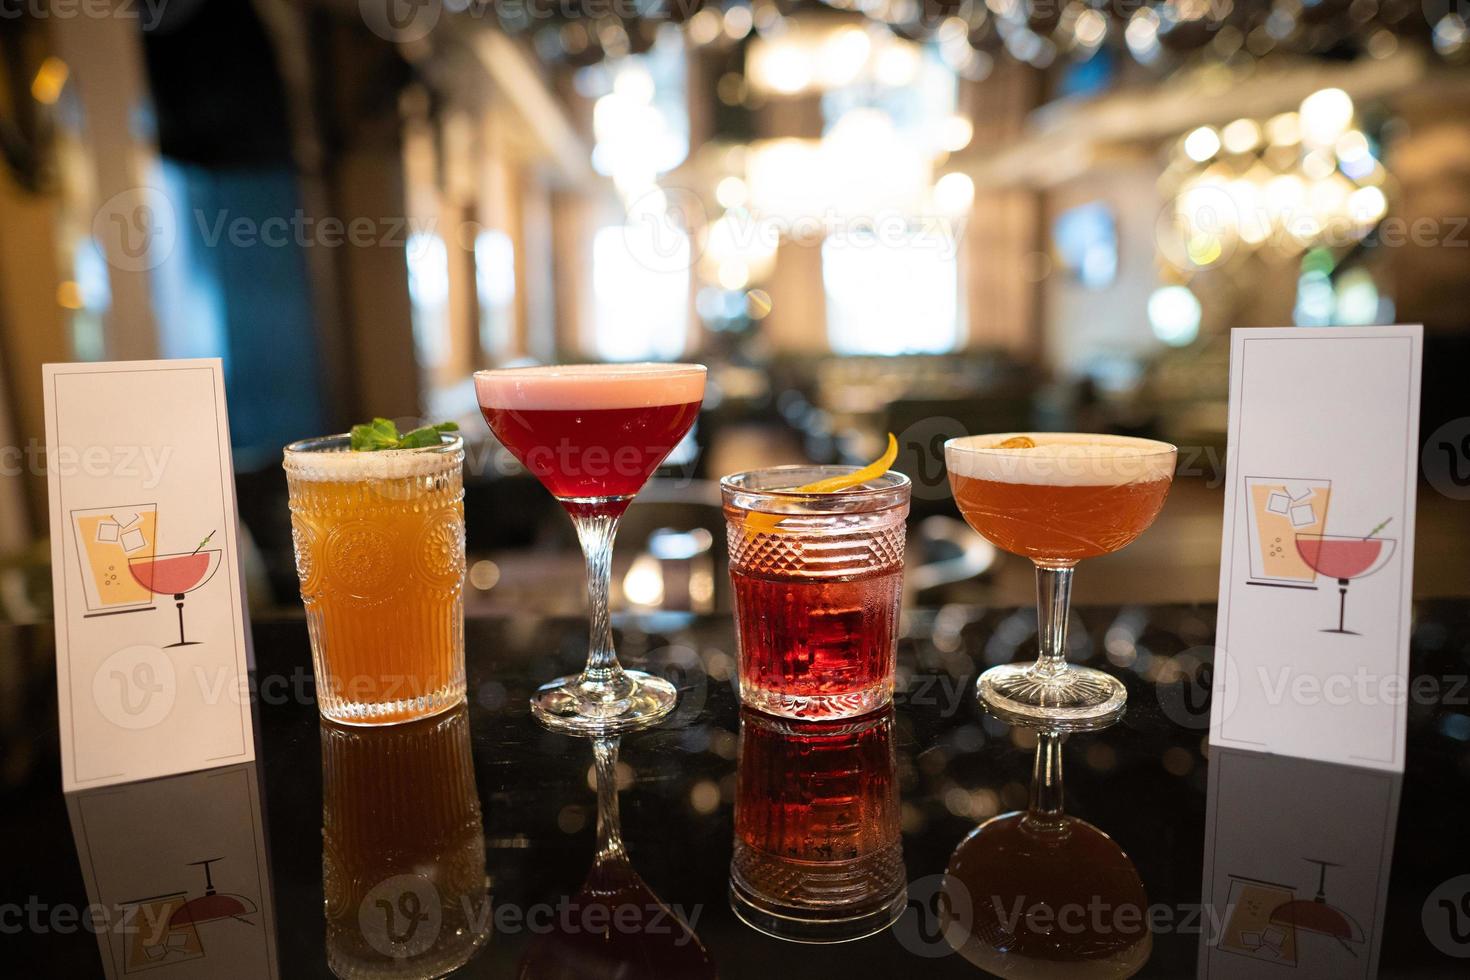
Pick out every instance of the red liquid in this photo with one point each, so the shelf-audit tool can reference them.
(817, 813)
(593, 452)
(171, 574)
(828, 639)
(1340, 558)
(632, 934)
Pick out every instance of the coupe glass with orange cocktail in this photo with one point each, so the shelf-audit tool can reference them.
(1057, 498)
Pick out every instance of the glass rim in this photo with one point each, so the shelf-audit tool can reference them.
(729, 483)
(1340, 537)
(1145, 448)
(336, 441)
(630, 369)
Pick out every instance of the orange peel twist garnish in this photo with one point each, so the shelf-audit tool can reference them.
(759, 523)
(1018, 442)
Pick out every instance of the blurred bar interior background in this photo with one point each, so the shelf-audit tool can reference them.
(929, 217)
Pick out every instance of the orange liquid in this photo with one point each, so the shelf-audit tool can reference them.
(403, 848)
(1058, 523)
(381, 563)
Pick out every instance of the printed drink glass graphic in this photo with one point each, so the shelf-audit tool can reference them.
(176, 575)
(1278, 510)
(817, 856)
(107, 538)
(818, 578)
(593, 434)
(1068, 497)
(379, 539)
(1344, 557)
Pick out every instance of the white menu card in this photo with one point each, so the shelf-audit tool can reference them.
(178, 875)
(1317, 557)
(151, 636)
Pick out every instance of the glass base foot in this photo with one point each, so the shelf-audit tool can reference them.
(1077, 698)
(569, 705)
(800, 925)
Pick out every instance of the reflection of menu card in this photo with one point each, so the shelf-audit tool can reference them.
(151, 638)
(1296, 889)
(1317, 556)
(179, 869)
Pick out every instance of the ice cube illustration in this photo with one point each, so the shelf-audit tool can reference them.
(1299, 493)
(127, 520)
(107, 532)
(1302, 515)
(1278, 503)
(1274, 936)
(133, 540)
(1250, 940)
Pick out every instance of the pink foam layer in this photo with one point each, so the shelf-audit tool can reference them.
(591, 386)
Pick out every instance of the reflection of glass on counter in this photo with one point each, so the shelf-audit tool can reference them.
(817, 850)
(1279, 510)
(615, 926)
(1040, 894)
(403, 849)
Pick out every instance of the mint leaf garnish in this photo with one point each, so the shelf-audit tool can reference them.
(381, 433)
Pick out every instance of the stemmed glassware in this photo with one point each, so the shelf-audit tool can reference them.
(176, 575)
(1057, 498)
(593, 434)
(1042, 858)
(1344, 557)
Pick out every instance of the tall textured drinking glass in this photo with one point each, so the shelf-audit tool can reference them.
(593, 434)
(818, 579)
(1057, 498)
(403, 849)
(379, 540)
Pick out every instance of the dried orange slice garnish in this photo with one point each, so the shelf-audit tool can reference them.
(759, 523)
(1018, 442)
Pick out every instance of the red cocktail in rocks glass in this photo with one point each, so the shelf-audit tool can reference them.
(817, 856)
(818, 579)
(593, 434)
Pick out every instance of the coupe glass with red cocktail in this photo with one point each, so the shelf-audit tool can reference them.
(593, 434)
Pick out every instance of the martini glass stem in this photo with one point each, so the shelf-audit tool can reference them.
(179, 601)
(1342, 585)
(1044, 810)
(595, 532)
(609, 831)
(1053, 604)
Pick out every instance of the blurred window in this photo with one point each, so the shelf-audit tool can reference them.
(428, 294)
(887, 296)
(495, 289)
(640, 291)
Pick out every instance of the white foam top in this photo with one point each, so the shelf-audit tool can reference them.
(342, 465)
(591, 386)
(1061, 459)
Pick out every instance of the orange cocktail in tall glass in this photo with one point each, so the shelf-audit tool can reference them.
(379, 542)
(1056, 498)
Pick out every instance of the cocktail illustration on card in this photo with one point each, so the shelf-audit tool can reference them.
(1270, 921)
(177, 575)
(1279, 509)
(1345, 557)
(167, 926)
(107, 540)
